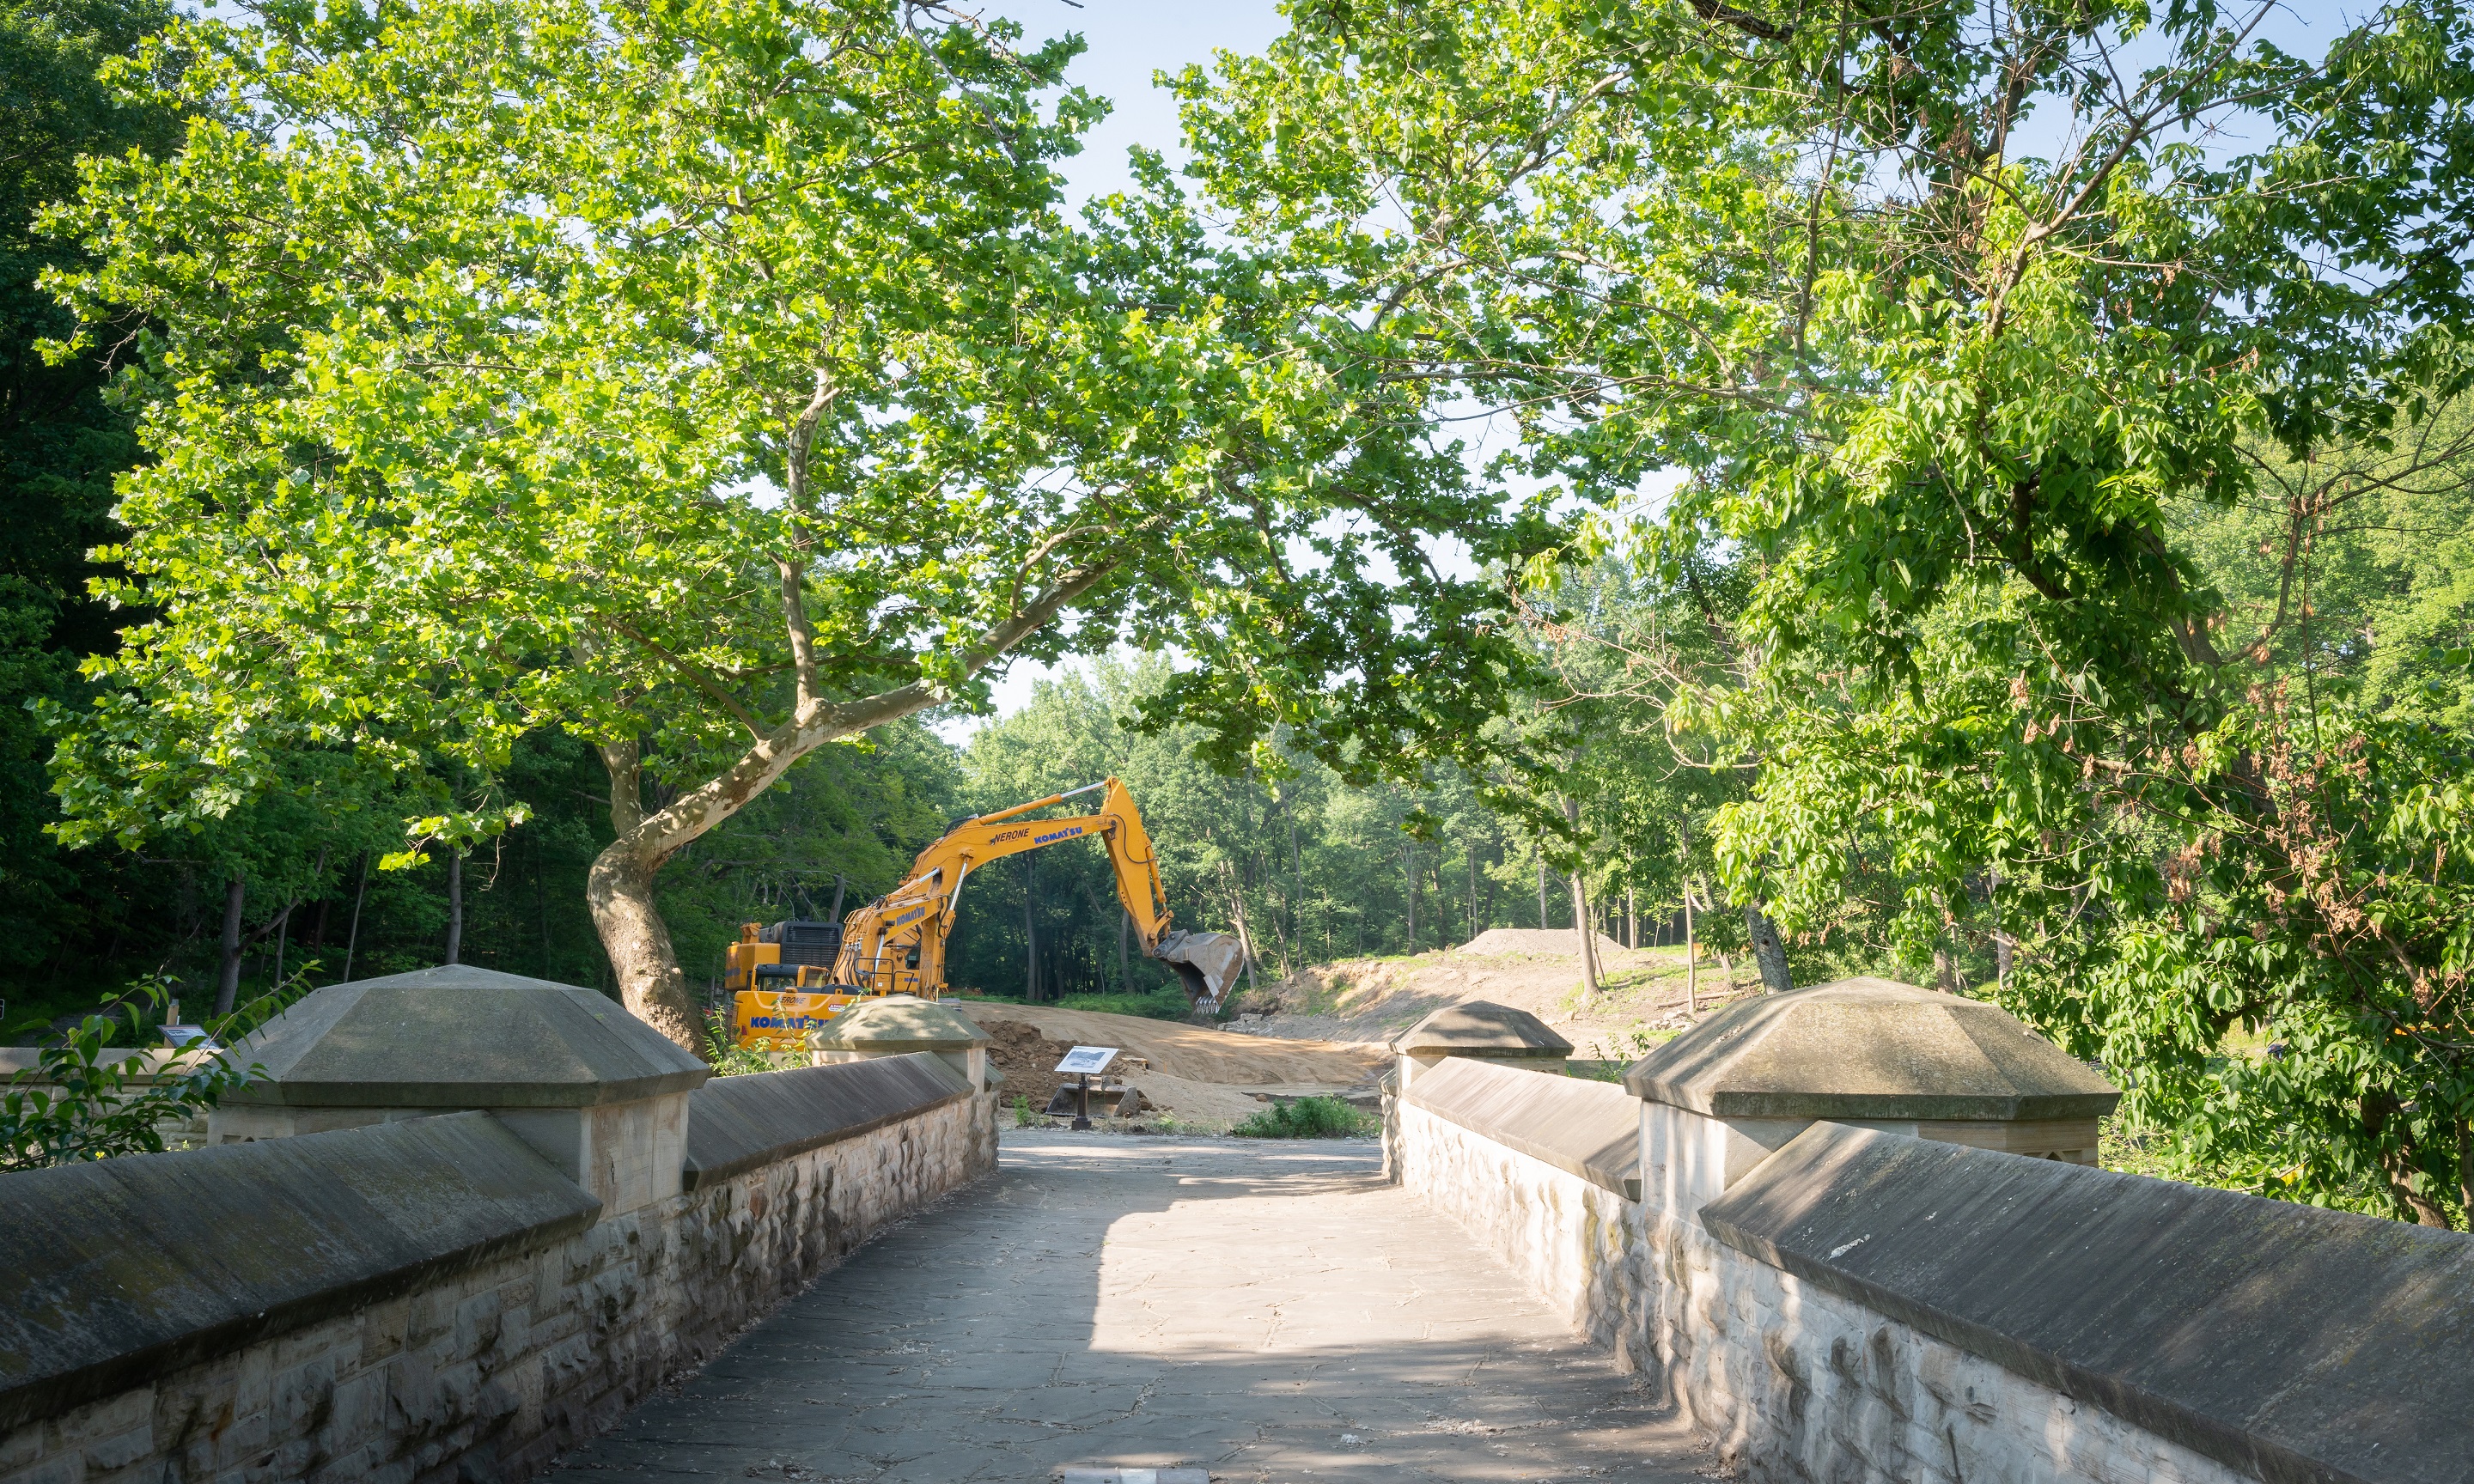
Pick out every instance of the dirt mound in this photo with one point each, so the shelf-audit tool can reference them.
(1027, 1057)
(1641, 998)
(1536, 941)
(1192, 1052)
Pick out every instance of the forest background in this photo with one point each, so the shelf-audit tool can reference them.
(2065, 600)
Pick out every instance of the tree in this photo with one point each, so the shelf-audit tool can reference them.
(714, 385)
(60, 443)
(1953, 323)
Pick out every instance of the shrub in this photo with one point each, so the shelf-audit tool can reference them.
(1308, 1117)
(87, 1100)
(722, 1047)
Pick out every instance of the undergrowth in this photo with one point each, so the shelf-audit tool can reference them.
(1160, 1004)
(1307, 1117)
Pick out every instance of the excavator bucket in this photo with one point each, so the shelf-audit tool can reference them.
(1209, 963)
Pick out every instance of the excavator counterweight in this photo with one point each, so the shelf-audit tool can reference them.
(896, 944)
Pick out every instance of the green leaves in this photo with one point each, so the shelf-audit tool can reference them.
(1954, 335)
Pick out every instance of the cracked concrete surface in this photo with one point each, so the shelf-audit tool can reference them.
(1271, 1311)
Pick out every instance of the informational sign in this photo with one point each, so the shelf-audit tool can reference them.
(1087, 1059)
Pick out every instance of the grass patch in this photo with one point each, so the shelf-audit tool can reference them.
(1308, 1117)
(1161, 1004)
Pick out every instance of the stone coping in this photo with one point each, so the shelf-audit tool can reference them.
(1868, 1049)
(1588, 1129)
(460, 1037)
(118, 1270)
(900, 1022)
(1478, 1027)
(737, 1123)
(2285, 1341)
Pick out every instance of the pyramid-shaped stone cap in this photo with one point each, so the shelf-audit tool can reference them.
(900, 1022)
(1869, 1048)
(1478, 1027)
(460, 1037)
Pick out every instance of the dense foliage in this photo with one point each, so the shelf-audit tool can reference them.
(1975, 492)
(709, 383)
(1957, 325)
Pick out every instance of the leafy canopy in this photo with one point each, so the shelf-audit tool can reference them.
(722, 376)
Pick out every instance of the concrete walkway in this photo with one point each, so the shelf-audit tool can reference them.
(1271, 1311)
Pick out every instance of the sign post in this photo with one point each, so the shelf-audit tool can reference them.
(1082, 1061)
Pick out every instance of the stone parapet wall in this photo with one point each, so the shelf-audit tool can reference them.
(1864, 1306)
(1577, 1244)
(462, 1342)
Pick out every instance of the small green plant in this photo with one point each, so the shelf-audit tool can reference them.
(89, 1098)
(1307, 1117)
(722, 1048)
(1022, 1119)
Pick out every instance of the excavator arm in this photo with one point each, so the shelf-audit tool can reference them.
(896, 944)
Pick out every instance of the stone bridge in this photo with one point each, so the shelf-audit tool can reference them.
(478, 1228)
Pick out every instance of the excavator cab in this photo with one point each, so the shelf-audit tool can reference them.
(774, 1003)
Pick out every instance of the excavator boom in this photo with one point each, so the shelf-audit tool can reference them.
(896, 944)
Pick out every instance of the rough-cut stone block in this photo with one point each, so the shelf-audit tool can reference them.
(120, 1270)
(460, 1037)
(2289, 1341)
(736, 1124)
(1590, 1129)
(488, 1366)
(1872, 1049)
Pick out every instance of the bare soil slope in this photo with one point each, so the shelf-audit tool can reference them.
(1642, 997)
(1202, 1078)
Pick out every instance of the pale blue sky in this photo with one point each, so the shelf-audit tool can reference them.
(1129, 42)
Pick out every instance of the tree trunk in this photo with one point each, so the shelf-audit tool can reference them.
(2397, 1166)
(455, 907)
(227, 964)
(352, 938)
(1409, 881)
(1583, 928)
(1470, 854)
(1542, 892)
(1586, 932)
(1692, 967)
(1029, 929)
(1768, 952)
(1244, 930)
(1945, 969)
(619, 891)
(2465, 1169)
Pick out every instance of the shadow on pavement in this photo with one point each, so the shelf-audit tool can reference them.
(1273, 1311)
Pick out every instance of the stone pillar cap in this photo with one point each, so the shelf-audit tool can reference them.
(897, 1023)
(1481, 1028)
(1869, 1048)
(460, 1037)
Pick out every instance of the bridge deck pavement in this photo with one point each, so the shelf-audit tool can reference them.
(1271, 1311)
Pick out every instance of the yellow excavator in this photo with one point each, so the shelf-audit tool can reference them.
(792, 977)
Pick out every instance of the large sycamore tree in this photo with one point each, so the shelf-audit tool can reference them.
(1953, 316)
(715, 380)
